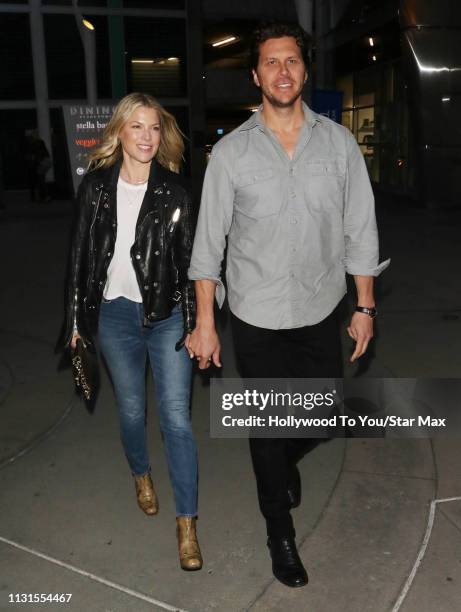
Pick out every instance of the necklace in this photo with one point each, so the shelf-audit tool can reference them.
(131, 204)
(133, 182)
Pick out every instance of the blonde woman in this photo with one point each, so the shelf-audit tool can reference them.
(128, 282)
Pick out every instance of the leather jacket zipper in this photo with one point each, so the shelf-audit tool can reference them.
(93, 221)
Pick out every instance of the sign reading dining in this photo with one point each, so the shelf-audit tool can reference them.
(84, 124)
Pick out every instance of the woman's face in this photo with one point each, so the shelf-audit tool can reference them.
(140, 135)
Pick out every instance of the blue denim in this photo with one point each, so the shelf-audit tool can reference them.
(125, 344)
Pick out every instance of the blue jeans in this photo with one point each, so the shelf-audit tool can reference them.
(125, 344)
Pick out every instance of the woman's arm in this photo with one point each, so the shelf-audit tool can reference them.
(73, 299)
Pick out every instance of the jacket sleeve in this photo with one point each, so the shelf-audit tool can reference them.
(183, 247)
(73, 297)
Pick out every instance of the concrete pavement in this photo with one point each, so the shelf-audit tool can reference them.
(371, 533)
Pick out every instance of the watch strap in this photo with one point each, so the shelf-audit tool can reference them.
(371, 312)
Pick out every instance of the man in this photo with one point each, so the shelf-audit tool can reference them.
(290, 190)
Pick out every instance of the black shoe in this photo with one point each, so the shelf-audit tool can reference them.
(294, 486)
(286, 564)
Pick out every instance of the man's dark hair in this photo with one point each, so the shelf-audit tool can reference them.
(278, 29)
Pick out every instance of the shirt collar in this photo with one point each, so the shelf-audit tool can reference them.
(256, 120)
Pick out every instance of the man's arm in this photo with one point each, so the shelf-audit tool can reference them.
(203, 343)
(361, 325)
(215, 218)
(361, 243)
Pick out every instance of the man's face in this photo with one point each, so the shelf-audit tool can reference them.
(281, 72)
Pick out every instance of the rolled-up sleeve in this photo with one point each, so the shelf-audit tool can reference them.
(360, 231)
(214, 221)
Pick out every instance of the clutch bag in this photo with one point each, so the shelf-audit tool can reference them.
(85, 370)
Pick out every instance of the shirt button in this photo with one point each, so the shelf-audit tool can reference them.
(146, 287)
(293, 195)
(291, 171)
(156, 220)
(294, 221)
(157, 253)
(155, 284)
(294, 249)
(138, 256)
(109, 254)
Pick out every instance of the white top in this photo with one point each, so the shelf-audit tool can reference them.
(121, 277)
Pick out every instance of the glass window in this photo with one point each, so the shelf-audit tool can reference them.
(65, 62)
(347, 119)
(155, 51)
(15, 127)
(17, 82)
(346, 85)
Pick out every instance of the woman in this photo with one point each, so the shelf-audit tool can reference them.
(128, 280)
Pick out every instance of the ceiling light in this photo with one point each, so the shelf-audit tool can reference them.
(173, 59)
(142, 61)
(88, 24)
(224, 41)
(374, 58)
(446, 99)
(371, 41)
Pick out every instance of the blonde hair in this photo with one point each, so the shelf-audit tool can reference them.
(171, 148)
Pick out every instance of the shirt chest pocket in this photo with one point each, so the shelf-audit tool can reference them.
(325, 183)
(257, 193)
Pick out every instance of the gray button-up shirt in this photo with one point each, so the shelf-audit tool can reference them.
(294, 226)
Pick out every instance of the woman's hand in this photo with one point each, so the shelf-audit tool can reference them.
(73, 342)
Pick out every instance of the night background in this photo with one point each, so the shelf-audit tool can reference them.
(380, 525)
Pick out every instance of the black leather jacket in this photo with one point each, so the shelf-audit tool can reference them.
(160, 253)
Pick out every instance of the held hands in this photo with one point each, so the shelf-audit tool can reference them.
(203, 344)
(360, 330)
(73, 342)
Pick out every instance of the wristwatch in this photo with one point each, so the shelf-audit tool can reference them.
(371, 312)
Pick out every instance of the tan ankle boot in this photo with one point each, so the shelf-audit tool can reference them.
(190, 557)
(147, 499)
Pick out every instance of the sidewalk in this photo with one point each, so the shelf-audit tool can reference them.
(366, 503)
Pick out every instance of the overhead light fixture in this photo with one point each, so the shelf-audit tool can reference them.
(224, 41)
(371, 41)
(374, 58)
(142, 61)
(88, 24)
(173, 59)
(446, 99)
(254, 110)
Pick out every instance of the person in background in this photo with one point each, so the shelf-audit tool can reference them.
(38, 163)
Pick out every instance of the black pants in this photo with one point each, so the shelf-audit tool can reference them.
(313, 351)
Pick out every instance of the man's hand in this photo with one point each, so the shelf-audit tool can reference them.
(203, 344)
(360, 330)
